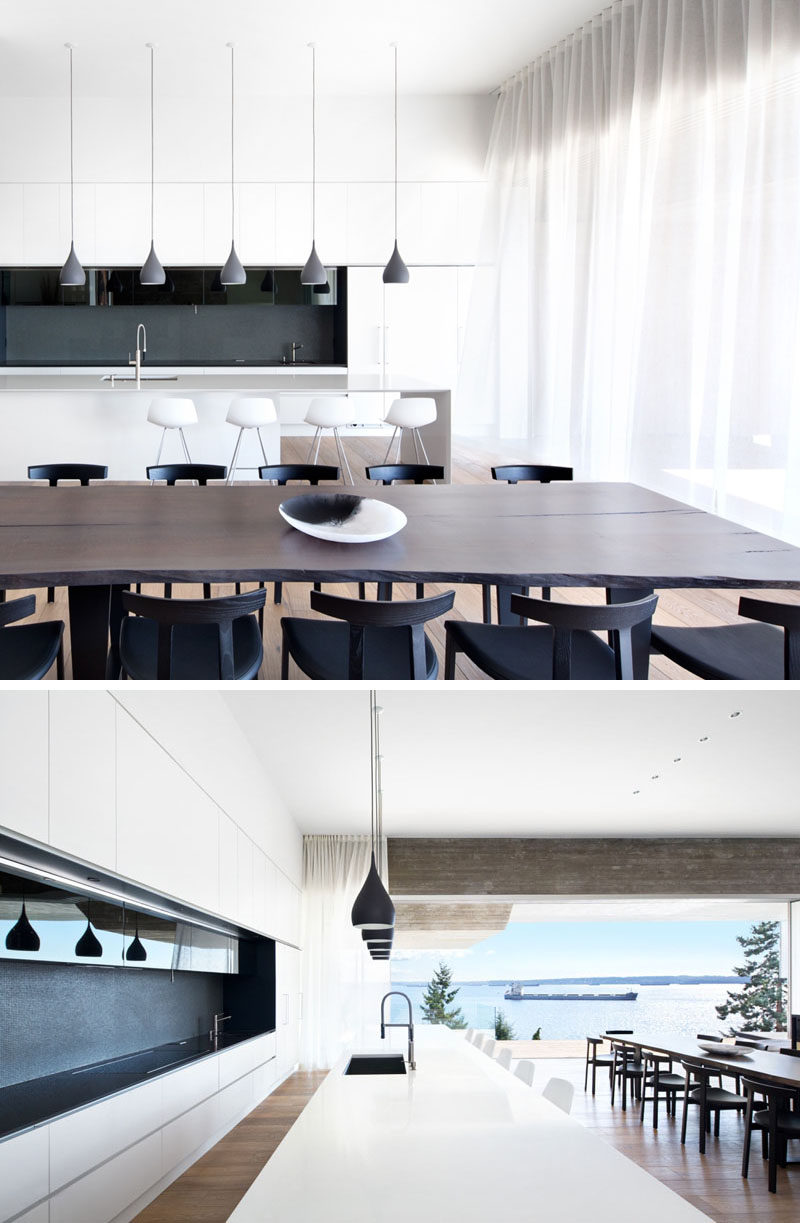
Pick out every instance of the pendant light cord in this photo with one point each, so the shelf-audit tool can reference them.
(232, 147)
(71, 160)
(152, 147)
(395, 143)
(314, 151)
(372, 771)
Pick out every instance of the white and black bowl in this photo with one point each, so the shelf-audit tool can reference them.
(342, 517)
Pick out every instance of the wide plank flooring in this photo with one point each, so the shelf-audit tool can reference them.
(471, 463)
(711, 1182)
(210, 1190)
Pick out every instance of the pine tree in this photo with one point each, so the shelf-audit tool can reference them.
(762, 1002)
(502, 1028)
(438, 997)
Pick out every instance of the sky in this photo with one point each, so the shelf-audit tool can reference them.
(530, 950)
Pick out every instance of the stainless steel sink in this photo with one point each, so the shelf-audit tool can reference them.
(387, 1063)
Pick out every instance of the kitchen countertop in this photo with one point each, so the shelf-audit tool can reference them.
(459, 1138)
(171, 379)
(24, 1105)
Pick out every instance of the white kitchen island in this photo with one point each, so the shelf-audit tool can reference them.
(459, 1138)
(81, 416)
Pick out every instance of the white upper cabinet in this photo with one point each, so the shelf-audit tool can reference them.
(83, 776)
(23, 763)
(168, 828)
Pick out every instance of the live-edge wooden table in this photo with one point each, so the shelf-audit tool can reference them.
(95, 540)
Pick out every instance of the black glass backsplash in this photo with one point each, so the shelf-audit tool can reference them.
(43, 324)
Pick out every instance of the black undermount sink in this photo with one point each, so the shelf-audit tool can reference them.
(385, 1063)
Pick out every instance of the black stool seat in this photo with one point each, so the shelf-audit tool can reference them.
(512, 652)
(195, 649)
(321, 650)
(716, 1097)
(788, 1122)
(730, 651)
(28, 651)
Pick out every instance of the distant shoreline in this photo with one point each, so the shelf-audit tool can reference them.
(676, 979)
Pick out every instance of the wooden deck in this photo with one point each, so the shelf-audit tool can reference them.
(471, 464)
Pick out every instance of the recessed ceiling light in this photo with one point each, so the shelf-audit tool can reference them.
(655, 777)
(737, 713)
(636, 791)
(676, 759)
(704, 739)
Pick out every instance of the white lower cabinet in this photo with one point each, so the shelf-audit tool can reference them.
(95, 1162)
(23, 1171)
(288, 1006)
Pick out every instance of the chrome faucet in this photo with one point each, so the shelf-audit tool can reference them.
(216, 1032)
(409, 1025)
(295, 349)
(141, 349)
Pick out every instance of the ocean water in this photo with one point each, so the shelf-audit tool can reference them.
(681, 1009)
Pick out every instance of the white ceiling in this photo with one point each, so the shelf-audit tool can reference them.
(445, 46)
(487, 760)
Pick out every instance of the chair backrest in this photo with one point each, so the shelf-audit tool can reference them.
(489, 1046)
(525, 1070)
(361, 614)
(790, 1052)
(787, 617)
(201, 473)
(619, 1031)
(470, 1035)
(172, 411)
(17, 609)
(53, 472)
(252, 411)
(412, 411)
(329, 411)
(752, 1044)
(169, 612)
(560, 1093)
(311, 473)
(772, 1093)
(568, 618)
(504, 1059)
(698, 1070)
(542, 473)
(478, 1038)
(387, 473)
(703, 1036)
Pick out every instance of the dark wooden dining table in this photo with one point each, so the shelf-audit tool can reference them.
(776, 1068)
(96, 540)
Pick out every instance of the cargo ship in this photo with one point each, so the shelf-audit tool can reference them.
(514, 994)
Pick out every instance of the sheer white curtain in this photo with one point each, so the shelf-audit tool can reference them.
(636, 309)
(342, 985)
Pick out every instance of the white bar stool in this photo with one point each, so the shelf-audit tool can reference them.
(250, 412)
(329, 412)
(411, 413)
(171, 412)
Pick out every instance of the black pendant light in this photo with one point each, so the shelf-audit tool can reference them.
(314, 271)
(378, 936)
(136, 950)
(72, 274)
(232, 273)
(395, 272)
(152, 273)
(88, 944)
(373, 908)
(22, 936)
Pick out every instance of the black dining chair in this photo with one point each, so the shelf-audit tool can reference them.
(517, 473)
(396, 473)
(189, 639)
(54, 473)
(776, 1118)
(738, 651)
(658, 1082)
(380, 640)
(596, 1060)
(627, 1069)
(28, 651)
(565, 646)
(698, 1091)
(303, 473)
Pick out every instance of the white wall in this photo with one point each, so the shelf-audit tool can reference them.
(442, 147)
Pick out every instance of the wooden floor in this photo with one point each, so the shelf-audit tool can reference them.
(711, 1182)
(209, 1191)
(471, 463)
